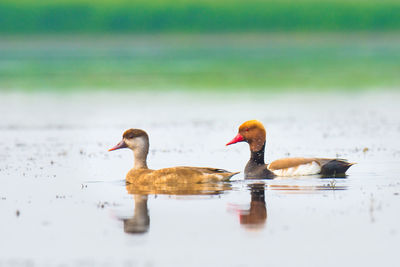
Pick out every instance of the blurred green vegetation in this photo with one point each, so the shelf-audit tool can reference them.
(143, 16)
(199, 44)
(271, 62)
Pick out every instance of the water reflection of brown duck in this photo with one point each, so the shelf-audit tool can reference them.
(140, 222)
(256, 216)
(138, 141)
(187, 189)
(253, 132)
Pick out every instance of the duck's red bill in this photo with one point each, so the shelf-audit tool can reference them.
(238, 138)
(121, 144)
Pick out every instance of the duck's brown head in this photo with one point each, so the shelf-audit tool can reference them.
(252, 132)
(133, 139)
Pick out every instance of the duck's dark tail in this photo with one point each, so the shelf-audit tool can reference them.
(335, 167)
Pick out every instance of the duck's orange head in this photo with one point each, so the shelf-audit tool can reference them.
(252, 132)
(133, 139)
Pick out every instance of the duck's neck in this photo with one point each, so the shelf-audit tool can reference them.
(140, 159)
(140, 150)
(257, 157)
(256, 168)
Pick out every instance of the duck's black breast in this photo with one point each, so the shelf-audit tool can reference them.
(257, 171)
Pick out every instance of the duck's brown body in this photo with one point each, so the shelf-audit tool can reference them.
(138, 141)
(253, 132)
(177, 175)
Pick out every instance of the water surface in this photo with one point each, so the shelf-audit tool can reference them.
(63, 200)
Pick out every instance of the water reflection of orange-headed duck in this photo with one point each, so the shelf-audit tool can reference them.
(253, 133)
(255, 217)
(138, 141)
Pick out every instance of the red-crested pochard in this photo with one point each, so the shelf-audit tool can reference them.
(253, 132)
(138, 141)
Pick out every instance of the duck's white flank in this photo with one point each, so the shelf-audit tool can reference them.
(303, 169)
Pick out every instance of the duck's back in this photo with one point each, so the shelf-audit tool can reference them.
(178, 175)
(308, 166)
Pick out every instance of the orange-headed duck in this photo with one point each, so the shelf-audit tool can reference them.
(253, 132)
(138, 141)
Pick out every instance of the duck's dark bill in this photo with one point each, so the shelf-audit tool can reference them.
(238, 138)
(121, 144)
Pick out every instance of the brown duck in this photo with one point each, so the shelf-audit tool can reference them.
(138, 141)
(253, 132)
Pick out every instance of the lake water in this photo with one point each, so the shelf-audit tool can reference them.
(63, 200)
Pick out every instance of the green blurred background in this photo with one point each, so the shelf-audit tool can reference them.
(199, 45)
